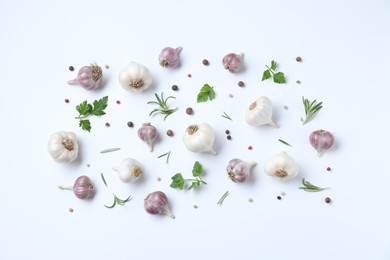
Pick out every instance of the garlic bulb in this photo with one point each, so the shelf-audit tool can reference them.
(88, 77)
(129, 170)
(239, 170)
(169, 57)
(135, 77)
(148, 133)
(321, 140)
(281, 166)
(63, 147)
(232, 62)
(200, 138)
(82, 188)
(157, 203)
(260, 112)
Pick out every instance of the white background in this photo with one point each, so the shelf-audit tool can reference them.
(345, 50)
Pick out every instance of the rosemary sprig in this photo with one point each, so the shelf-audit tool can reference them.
(220, 201)
(167, 154)
(109, 150)
(118, 201)
(163, 107)
(284, 142)
(104, 180)
(226, 116)
(311, 108)
(310, 187)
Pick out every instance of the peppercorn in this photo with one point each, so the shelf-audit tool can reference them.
(175, 88)
(250, 200)
(130, 124)
(298, 82)
(189, 75)
(250, 147)
(328, 169)
(71, 68)
(205, 62)
(71, 210)
(169, 132)
(299, 59)
(118, 102)
(229, 137)
(227, 132)
(279, 198)
(327, 200)
(106, 66)
(189, 111)
(66, 100)
(158, 179)
(241, 84)
(195, 206)
(107, 124)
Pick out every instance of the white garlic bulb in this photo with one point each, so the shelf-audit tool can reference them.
(281, 166)
(63, 146)
(200, 138)
(129, 170)
(260, 112)
(239, 170)
(135, 77)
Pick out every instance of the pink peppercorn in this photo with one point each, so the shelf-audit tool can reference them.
(250, 147)
(66, 100)
(328, 169)
(189, 75)
(118, 102)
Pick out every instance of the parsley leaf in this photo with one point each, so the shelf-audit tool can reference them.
(206, 93)
(197, 169)
(278, 77)
(177, 181)
(86, 110)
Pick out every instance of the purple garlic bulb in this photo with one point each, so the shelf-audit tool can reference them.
(157, 203)
(239, 170)
(148, 134)
(169, 57)
(88, 77)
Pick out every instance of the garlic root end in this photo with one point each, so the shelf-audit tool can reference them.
(72, 82)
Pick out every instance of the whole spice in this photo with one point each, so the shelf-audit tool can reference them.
(129, 170)
(189, 111)
(328, 169)
(281, 166)
(327, 200)
(88, 77)
(82, 187)
(135, 77)
(229, 137)
(241, 84)
(321, 140)
(279, 197)
(311, 108)
(307, 186)
(63, 146)
(107, 124)
(299, 59)
(163, 107)
(175, 88)
(66, 100)
(169, 57)
(205, 62)
(200, 138)
(157, 203)
(71, 68)
(170, 132)
(232, 62)
(239, 170)
(260, 113)
(148, 133)
(130, 124)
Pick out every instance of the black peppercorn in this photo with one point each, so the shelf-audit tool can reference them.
(107, 124)
(327, 200)
(189, 111)
(241, 84)
(175, 87)
(130, 124)
(169, 132)
(71, 68)
(227, 132)
(229, 137)
(205, 62)
(279, 198)
(298, 59)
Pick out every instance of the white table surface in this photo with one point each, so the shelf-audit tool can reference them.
(345, 50)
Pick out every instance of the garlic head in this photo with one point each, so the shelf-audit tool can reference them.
(200, 138)
(129, 170)
(63, 146)
(135, 77)
(281, 166)
(239, 170)
(260, 113)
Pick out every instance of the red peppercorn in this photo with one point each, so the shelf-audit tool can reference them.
(118, 102)
(189, 75)
(66, 100)
(328, 169)
(250, 147)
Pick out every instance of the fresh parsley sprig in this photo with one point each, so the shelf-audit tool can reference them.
(307, 186)
(311, 108)
(118, 201)
(86, 110)
(278, 77)
(178, 181)
(163, 107)
(206, 93)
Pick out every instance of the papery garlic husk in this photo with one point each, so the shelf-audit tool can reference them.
(239, 170)
(129, 170)
(281, 166)
(169, 57)
(260, 113)
(135, 77)
(200, 138)
(157, 203)
(63, 146)
(321, 140)
(88, 77)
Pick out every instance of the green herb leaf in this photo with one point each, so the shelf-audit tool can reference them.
(99, 106)
(220, 201)
(109, 150)
(104, 180)
(86, 110)
(226, 116)
(177, 181)
(197, 169)
(118, 201)
(279, 78)
(163, 107)
(266, 75)
(206, 93)
(85, 124)
(284, 142)
(307, 186)
(167, 154)
(274, 65)
(311, 108)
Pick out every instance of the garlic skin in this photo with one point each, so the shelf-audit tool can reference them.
(88, 77)
(157, 203)
(200, 138)
(129, 170)
(63, 146)
(135, 77)
(169, 57)
(232, 62)
(239, 170)
(260, 113)
(281, 166)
